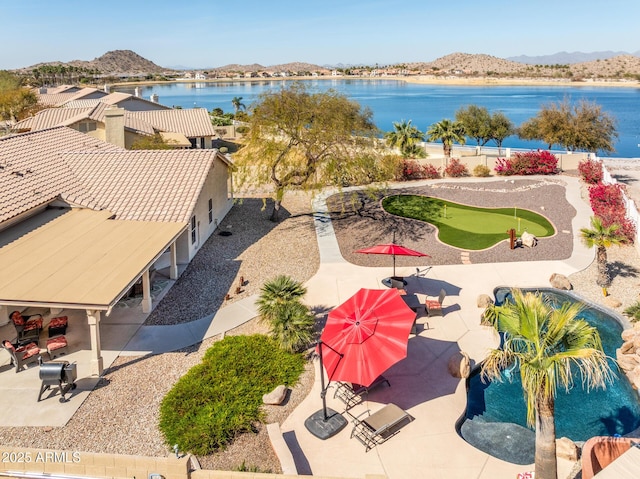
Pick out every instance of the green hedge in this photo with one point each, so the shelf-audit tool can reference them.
(222, 397)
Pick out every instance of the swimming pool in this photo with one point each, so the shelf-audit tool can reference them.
(495, 419)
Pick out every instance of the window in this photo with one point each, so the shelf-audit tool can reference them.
(193, 230)
(86, 126)
(210, 211)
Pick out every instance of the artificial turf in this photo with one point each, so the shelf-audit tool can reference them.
(468, 227)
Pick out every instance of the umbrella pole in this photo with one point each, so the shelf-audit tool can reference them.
(323, 390)
(324, 423)
(394, 265)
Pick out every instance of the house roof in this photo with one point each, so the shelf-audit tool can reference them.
(193, 122)
(78, 258)
(190, 122)
(144, 185)
(33, 172)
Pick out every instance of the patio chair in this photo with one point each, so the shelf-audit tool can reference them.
(351, 394)
(57, 346)
(376, 428)
(434, 306)
(22, 355)
(28, 329)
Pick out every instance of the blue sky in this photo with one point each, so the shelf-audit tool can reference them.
(211, 33)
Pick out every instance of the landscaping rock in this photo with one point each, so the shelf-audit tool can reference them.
(566, 449)
(276, 396)
(529, 240)
(628, 334)
(484, 300)
(627, 347)
(627, 362)
(560, 281)
(612, 302)
(459, 365)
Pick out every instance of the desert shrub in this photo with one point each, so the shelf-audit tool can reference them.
(607, 202)
(482, 171)
(242, 129)
(412, 170)
(633, 312)
(590, 171)
(538, 162)
(455, 169)
(222, 396)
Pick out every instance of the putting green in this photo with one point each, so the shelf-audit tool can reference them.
(468, 227)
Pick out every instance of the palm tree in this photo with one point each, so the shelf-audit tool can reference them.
(280, 306)
(449, 132)
(601, 237)
(237, 103)
(405, 136)
(546, 345)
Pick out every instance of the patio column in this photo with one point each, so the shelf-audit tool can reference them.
(93, 317)
(146, 292)
(173, 268)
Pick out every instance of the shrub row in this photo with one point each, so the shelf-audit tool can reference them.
(538, 162)
(222, 396)
(607, 202)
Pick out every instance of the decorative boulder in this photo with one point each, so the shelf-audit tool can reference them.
(566, 449)
(528, 240)
(484, 300)
(612, 302)
(459, 365)
(626, 362)
(276, 396)
(560, 281)
(627, 347)
(628, 334)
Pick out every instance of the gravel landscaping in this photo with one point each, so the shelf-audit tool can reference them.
(121, 414)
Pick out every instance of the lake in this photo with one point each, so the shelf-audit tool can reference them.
(393, 100)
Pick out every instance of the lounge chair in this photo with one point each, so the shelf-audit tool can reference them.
(351, 394)
(22, 355)
(27, 327)
(376, 428)
(434, 306)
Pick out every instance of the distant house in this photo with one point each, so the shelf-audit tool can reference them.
(82, 220)
(200, 76)
(86, 111)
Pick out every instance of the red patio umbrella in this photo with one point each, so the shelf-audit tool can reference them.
(366, 335)
(392, 249)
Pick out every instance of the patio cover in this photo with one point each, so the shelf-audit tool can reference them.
(78, 258)
(175, 139)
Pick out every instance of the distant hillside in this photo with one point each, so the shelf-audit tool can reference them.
(255, 67)
(113, 62)
(564, 58)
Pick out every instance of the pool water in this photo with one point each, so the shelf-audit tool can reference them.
(579, 414)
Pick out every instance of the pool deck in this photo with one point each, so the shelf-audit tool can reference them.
(429, 446)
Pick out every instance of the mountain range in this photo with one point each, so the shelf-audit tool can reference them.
(574, 65)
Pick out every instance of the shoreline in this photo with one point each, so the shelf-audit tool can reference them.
(418, 79)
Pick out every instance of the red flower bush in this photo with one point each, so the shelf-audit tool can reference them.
(528, 163)
(590, 171)
(607, 202)
(455, 169)
(412, 170)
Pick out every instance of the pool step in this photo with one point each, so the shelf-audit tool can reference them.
(464, 257)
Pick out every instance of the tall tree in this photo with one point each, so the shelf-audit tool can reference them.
(476, 121)
(545, 344)
(299, 139)
(583, 126)
(404, 136)
(237, 103)
(448, 132)
(501, 128)
(601, 237)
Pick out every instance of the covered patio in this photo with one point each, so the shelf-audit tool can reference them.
(78, 263)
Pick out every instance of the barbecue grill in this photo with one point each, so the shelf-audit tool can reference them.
(60, 374)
